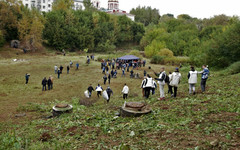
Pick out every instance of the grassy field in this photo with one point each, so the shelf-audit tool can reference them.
(203, 121)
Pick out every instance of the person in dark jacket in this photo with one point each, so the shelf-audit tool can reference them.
(27, 78)
(90, 89)
(109, 93)
(61, 69)
(58, 72)
(144, 73)
(68, 68)
(77, 66)
(44, 83)
(104, 79)
(109, 79)
(49, 82)
(131, 74)
(112, 73)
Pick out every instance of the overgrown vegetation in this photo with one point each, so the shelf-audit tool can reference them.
(207, 41)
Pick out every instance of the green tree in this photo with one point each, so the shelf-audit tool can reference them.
(146, 15)
(153, 48)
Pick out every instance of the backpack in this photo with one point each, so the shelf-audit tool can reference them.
(167, 79)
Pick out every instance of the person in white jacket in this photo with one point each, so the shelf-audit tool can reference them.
(161, 82)
(55, 69)
(148, 84)
(175, 80)
(99, 90)
(125, 91)
(192, 80)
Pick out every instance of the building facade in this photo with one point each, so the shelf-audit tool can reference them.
(113, 8)
(46, 5)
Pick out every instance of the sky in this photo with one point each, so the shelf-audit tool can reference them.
(194, 8)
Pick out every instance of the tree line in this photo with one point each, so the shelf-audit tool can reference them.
(65, 28)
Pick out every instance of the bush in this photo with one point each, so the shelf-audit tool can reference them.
(2, 40)
(166, 52)
(153, 48)
(135, 53)
(157, 59)
(232, 69)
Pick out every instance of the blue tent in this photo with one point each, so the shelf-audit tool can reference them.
(129, 57)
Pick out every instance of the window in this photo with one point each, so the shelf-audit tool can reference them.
(43, 1)
(49, 5)
(26, 5)
(43, 7)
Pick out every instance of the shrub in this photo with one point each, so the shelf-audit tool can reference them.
(166, 52)
(136, 53)
(157, 59)
(232, 69)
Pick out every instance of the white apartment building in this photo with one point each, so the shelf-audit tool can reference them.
(46, 5)
(43, 5)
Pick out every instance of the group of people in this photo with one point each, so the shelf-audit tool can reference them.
(173, 81)
(109, 91)
(107, 65)
(47, 82)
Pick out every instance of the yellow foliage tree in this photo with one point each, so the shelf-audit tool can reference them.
(30, 29)
(63, 5)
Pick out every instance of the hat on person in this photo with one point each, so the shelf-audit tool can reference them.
(177, 69)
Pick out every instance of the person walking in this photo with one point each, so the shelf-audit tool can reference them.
(104, 79)
(192, 80)
(55, 69)
(168, 83)
(148, 86)
(109, 93)
(44, 83)
(90, 90)
(109, 79)
(49, 82)
(154, 87)
(125, 91)
(58, 72)
(27, 78)
(123, 72)
(161, 82)
(99, 90)
(61, 69)
(77, 66)
(131, 74)
(68, 68)
(143, 86)
(71, 63)
(144, 73)
(175, 80)
(205, 73)
(112, 73)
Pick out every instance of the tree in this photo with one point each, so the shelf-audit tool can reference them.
(226, 47)
(30, 29)
(146, 15)
(63, 5)
(2, 40)
(153, 48)
(10, 13)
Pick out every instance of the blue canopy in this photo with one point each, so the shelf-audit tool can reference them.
(129, 57)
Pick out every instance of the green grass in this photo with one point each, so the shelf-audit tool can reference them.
(187, 122)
